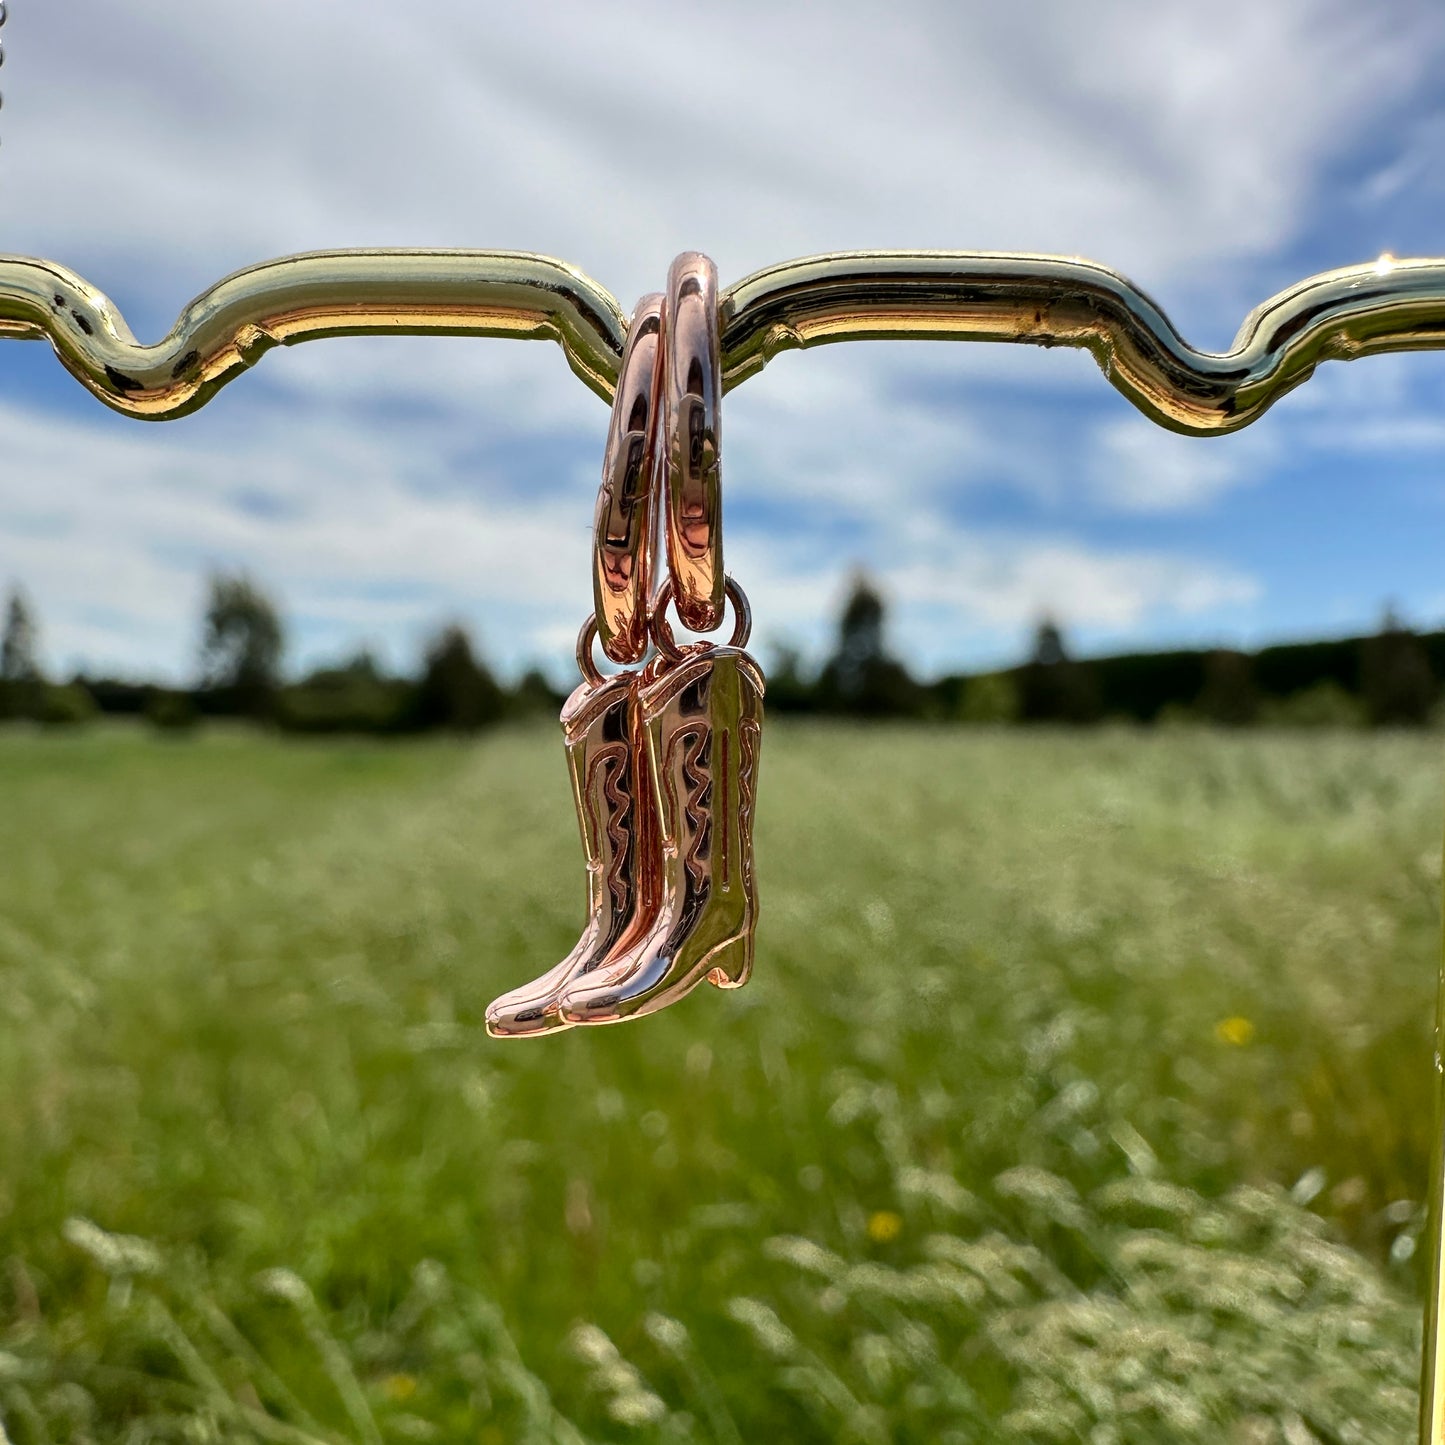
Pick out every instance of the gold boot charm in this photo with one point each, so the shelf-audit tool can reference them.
(701, 714)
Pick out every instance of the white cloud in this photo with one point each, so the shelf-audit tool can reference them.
(1380, 407)
(971, 597)
(202, 137)
(1006, 585)
(112, 527)
(379, 485)
(112, 530)
(823, 472)
(1137, 467)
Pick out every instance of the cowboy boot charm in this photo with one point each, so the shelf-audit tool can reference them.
(600, 726)
(701, 712)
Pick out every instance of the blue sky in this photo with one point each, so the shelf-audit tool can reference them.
(381, 486)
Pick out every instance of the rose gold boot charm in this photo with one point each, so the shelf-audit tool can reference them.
(664, 761)
(600, 725)
(701, 714)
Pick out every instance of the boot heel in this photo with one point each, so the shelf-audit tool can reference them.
(732, 963)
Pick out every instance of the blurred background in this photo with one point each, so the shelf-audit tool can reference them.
(381, 486)
(1083, 1093)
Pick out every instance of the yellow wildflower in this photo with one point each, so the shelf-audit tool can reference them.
(399, 1387)
(1237, 1031)
(884, 1225)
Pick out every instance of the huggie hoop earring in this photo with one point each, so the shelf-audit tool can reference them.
(624, 534)
(692, 440)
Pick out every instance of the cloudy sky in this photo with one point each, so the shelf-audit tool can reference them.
(379, 486)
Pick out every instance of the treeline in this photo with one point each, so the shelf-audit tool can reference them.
(241, 656)
(1393, 677)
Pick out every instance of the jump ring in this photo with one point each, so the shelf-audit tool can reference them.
(662, 629)
(585, 665)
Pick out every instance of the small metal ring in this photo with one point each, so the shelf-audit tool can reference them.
(662, 629)
(585, 665)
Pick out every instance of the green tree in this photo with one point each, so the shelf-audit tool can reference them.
(1322, 705)
(1229, 695)
(18, 646)
(66, 704)
(861, 677)
(991, 697)
(171, 710)
(1395, 678)
(354, 697)
(789, 690)
(1052, 686)
(534, 695)
(242, 644)
(22, 684)
(456, 690)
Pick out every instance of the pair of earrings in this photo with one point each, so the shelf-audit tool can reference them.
(663, 757)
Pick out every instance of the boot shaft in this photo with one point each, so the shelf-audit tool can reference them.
(702, 720)
(602, 734)
(600, 728)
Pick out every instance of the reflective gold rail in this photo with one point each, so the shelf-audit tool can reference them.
(299, 298)
(851, 296)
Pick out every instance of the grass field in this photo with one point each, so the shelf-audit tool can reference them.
(1081, 1094)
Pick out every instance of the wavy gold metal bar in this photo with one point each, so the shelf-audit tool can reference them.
(941, 295)
(1387, 305)
(326, 293)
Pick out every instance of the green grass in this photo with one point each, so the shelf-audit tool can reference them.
(1051, 1041)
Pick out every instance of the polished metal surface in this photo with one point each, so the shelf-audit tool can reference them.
(625, 531)
(1386, 305)
(664, 769)
(702, 721)
(691, 440)
(327, 293)
(667, 645)
(601, 727)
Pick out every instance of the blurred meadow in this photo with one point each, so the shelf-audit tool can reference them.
(1082, 1094)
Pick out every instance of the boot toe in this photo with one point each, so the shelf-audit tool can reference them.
(590, 1004)
(513, 1017)
(629, 991)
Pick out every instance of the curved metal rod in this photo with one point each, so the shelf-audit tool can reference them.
(1387, 305)
(325, 293)
(963, 296)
